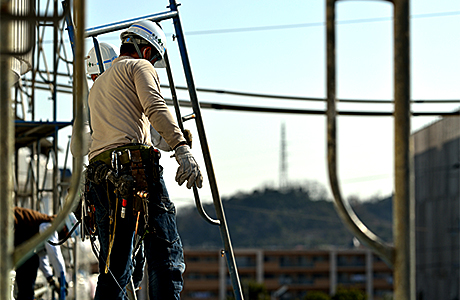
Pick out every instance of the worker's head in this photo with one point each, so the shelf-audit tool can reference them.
(108, 54)
(147, 39)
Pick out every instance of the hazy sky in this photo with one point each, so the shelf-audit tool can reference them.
(278, 47)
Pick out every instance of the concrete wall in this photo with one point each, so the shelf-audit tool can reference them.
(437, 182)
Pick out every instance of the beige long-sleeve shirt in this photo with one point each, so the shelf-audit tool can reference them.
(122, 102)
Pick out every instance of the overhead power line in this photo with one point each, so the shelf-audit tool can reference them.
(317, 24)
(299, 98)
(222, 106)
(312, 24)
(259, 109)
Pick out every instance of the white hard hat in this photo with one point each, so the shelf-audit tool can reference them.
(108, 53)
(70, 222)
(149, 33)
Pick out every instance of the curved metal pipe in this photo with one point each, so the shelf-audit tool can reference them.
(231, 262)
(344, 210)
(200, 208)
(22, 252)
(180, 122)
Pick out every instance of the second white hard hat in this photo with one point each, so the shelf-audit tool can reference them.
(108, 52)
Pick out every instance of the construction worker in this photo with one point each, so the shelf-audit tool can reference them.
(27, 223)
(108, 54)
(124, 178)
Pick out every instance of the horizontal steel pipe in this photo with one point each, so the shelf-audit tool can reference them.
(95, 31)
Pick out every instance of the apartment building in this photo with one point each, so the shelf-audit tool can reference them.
(290, 274)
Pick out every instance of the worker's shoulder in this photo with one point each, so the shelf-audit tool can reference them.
(128, 60)
(139, 64)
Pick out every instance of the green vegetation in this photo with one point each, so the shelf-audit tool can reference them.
(315, 295)
(349, 293)
(296, 218)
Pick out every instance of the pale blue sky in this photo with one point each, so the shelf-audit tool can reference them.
(245, 147)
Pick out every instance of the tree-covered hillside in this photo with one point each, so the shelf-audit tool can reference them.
(272, 219)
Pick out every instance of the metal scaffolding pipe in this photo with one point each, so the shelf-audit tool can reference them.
(23, 251)
(229, 254)
(6, 157)
(95, 31)
(180, 122)
(403, 200)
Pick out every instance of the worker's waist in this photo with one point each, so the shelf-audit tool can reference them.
(125, 154)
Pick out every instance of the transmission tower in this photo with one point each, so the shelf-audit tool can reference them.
(283, 179)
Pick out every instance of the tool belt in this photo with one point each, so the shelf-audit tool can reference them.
(128, 170)
(137, 160)
(128, 173)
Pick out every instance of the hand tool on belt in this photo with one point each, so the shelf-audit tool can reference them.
(113, 216)
(137, 163)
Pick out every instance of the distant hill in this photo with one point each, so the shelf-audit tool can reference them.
(282, 220)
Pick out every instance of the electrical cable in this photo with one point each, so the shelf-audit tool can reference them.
(303, 25)
(208, 105)
(316, 24)
(272, 96)
(283, 97)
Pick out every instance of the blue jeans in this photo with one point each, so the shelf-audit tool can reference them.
(162, 246)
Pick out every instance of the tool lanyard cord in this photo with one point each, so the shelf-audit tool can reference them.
(96, 253)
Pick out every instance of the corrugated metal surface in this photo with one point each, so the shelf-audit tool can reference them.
(437, 134)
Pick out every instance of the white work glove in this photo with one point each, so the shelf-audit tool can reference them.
(188, 168)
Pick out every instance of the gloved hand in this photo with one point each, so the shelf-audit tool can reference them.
(188, 168)
(52, 283)
(55, 285)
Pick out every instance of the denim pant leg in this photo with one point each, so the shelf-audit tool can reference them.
(163, 248)
(113, 284)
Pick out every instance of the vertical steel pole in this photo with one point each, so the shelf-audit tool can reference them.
(331, 84)
(207, 157)
(403, 201)
(56, 200)
(6, 156)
